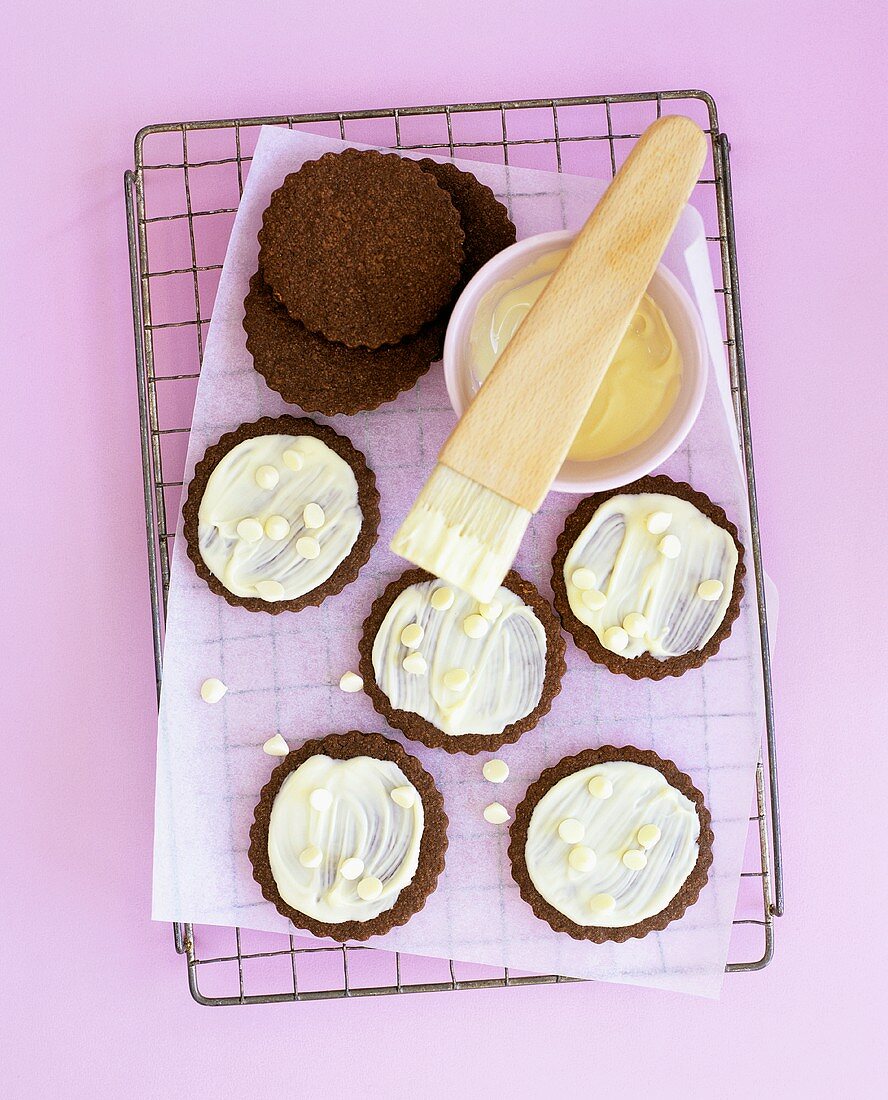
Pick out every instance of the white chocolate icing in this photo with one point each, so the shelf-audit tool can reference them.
(641, 384)
(474, 684)
(640, 798)
(252, 528)
(365, 833)
(642, 584)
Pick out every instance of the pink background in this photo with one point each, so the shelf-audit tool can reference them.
(95, 996)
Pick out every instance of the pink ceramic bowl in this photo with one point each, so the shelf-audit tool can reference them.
(684, 320)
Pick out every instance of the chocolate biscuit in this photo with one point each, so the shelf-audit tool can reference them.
(321, 376)
(420, 729)
(361, 247)
(645, 666)
(433, 844)
(368, 502)
(485, 220)
(690, 889)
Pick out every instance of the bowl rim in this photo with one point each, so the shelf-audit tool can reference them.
(631, 464)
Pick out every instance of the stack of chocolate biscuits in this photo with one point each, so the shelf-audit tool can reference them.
(362, 255)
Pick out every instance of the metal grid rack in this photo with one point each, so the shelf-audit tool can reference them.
(180, 199)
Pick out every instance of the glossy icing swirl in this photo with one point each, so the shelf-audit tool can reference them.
(506, 667)
(638, 579)
(362, 822)
(233, 494)
(639, 796)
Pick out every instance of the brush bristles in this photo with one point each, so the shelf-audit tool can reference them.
(462, 532)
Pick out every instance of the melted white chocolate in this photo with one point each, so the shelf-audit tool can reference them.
(504, 668)
(643, 572)
(642, 381)
(639, 796)
(276, 560)
(360, 823)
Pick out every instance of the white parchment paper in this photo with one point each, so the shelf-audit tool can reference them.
(283, 671)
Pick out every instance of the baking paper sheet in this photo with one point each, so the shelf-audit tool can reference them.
(282, 671)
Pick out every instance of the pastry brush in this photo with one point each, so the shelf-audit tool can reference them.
(495, 469)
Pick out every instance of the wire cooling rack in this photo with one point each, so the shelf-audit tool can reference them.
(181, 198)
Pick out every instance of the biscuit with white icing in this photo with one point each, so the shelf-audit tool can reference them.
(648, 578)
(480, 675)
(611, 844)
(280, 514)
(349, 836)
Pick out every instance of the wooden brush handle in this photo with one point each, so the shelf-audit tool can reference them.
(515, 435)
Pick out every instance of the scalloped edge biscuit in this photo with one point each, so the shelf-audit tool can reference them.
(368, 502)
(645, 666)
(432, 847)
(547, 912)
(416, 727)
(362, 247)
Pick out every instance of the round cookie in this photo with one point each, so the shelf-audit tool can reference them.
(349, 836)
(455, 674)
(361, 247)
(485, 220)
(611, 844)
(648, 578)
(280, 514)
(325, 377)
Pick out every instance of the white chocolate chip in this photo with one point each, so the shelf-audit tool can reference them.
(403, 796)
(616, 639)
(293, 459)
(311, 856)
(308, 547)
(313, 516)
(669, 546)
(658, 522)
(212, 690)
(496, 813)
(369, 888)
(648, 835)
(571, 831)
(415, 664)
(710, 590)
(352, 868)
(581, 858)
(267, 477)
(350, 682)
(475, 626)
(490, 611)
(277, 527)
(249, 529)
(412, 635)
(276, 746)
(602, 903)
(269, 590)
(442, 599)
(495, 771)
(456, 679)
(634, 860)
(320, 799)
(635, 624)
(600, 786)
(593, 599)
(584, 579)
